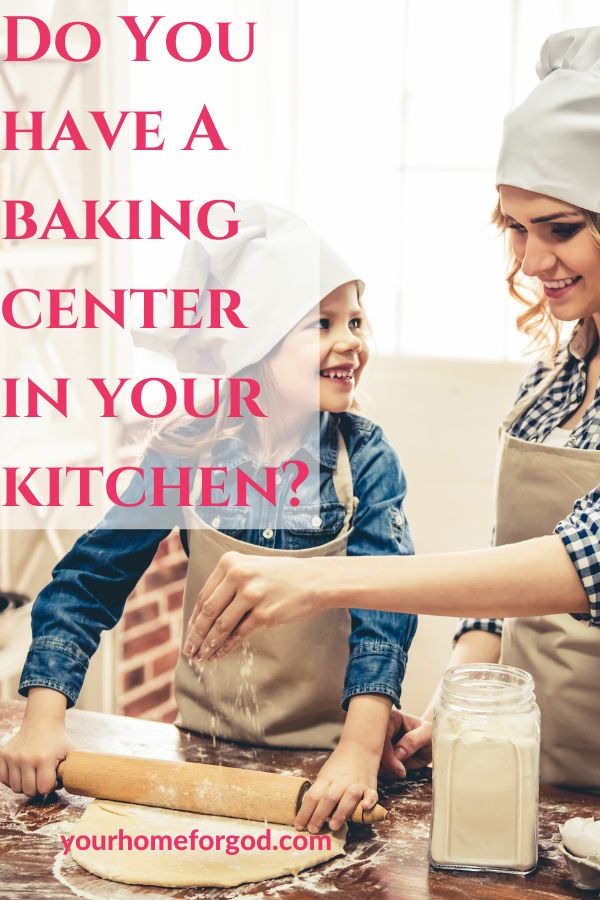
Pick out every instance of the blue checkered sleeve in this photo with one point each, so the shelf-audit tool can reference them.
(580, 534)
(532, 378)
(493, 626)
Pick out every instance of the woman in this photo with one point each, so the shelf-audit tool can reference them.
(544, 572)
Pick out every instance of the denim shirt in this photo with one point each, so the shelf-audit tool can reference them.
(91, 583)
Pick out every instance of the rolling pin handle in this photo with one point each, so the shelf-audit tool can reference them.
(362, 816)
(59, 774)
(301, 794)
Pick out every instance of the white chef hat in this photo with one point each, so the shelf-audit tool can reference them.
(278, 265)
(551, 142)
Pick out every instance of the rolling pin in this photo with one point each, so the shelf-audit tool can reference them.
(192, 787)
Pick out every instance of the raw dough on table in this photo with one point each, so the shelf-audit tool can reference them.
(186, 868)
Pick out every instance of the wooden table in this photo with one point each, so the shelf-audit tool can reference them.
(389, 862)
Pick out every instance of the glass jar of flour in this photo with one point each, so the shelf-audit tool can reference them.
(486, 748)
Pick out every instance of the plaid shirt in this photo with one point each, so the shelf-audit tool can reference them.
(579, 530)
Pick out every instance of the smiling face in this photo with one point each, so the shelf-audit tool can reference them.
(342, 353)
(343, 349)
(552, 243)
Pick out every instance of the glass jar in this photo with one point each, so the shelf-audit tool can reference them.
(486, 749)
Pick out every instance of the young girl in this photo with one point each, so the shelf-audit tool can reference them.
(329, 683)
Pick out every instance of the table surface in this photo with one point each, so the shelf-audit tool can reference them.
(389, 861)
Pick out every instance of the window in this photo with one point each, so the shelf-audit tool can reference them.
(380, 124)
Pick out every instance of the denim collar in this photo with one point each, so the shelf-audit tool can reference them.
(322, 446)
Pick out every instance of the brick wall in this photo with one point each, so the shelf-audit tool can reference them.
(148, 637)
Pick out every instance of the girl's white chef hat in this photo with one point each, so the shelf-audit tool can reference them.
(277, 264)
(551, 142)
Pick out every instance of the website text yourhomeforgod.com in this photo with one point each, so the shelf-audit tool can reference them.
(230, 844)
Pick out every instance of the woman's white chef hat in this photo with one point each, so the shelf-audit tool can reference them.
(278, 265)
(551, 142)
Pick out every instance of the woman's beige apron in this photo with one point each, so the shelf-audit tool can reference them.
(536, 487)
(284, 688)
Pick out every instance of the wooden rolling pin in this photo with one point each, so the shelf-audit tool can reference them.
(193, 787)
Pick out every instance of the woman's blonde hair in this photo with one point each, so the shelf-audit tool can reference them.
(184, 436)
(537, 322)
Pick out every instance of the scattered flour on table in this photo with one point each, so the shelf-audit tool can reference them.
(558, 808)
(312, 881)
(17, 821)
(297, 773)
(24, 818)
(55, 829)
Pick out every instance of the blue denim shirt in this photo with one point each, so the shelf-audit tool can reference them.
(90, 585)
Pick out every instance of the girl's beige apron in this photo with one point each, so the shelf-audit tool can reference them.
(536, 487)
(284, 688)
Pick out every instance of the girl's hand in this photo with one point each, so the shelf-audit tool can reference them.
(28, 762)
(348, 776)
(407, 744)
(247, 592)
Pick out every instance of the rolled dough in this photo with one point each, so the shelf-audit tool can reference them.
(185, 868)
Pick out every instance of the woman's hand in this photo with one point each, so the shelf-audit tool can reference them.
(28, 762)
(348, 777)
(244, 593)
(407, 745)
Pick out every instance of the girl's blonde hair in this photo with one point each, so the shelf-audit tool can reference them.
(537, 322)
(176, 435)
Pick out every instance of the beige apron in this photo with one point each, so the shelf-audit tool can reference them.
(536, 487)
(284, 688)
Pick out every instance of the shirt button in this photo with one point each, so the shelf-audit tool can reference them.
(216, 522)
(316, 521)
(278, 478)
(399, 520)
(268, 534)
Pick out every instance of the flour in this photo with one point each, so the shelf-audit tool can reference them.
(242, 690)
(485, 783)
(56, 829)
